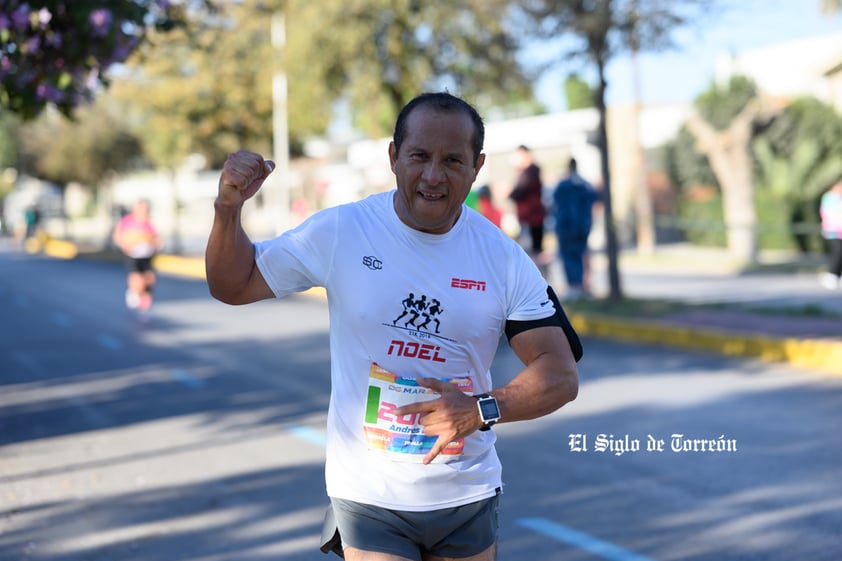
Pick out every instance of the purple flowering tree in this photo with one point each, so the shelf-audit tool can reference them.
(58, 52)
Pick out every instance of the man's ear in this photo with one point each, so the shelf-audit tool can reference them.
(480, 162)
(393, 155)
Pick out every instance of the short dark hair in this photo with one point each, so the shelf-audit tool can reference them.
(446, 103)
(571, 165)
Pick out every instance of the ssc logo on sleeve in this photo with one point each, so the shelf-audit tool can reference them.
(372, 263)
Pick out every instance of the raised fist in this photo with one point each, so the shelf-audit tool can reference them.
(242, 176)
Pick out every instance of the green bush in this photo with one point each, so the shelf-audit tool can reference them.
(779, 225)
(702, 220)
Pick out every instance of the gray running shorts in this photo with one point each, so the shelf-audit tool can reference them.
(461, 531)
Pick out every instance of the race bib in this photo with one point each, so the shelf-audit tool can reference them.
(402, 438)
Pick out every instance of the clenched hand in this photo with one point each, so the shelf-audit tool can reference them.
(242, 176)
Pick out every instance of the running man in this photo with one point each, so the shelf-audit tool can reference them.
(411, 469)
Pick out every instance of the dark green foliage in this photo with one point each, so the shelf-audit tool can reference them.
(719, 105)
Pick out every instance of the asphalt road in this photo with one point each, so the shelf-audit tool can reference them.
(197, 434)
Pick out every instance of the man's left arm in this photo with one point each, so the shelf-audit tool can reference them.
(548, 380)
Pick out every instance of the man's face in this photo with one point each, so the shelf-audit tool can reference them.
(435, 169)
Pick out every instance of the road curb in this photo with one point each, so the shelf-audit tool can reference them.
(182, 266)
(59, 249)
(815, 354)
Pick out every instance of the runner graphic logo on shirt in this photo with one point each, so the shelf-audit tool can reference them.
(418, 313)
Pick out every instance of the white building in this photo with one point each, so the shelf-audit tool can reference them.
(810, 66)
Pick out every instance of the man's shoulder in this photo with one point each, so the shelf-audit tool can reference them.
(374, 201)
(368, 212)
(383, 198)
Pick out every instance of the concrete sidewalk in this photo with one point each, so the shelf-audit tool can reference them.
(776, 312)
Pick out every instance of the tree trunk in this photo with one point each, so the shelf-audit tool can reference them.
(611, 249)
(729, 154)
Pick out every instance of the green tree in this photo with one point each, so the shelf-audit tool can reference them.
(602, 29)
(579, 94)
(85, 150)
(378, 54)
(8, 152)
(686, 167)
(214, 78)
(797, 157)
(204, 88)
(723, 125)
(8, 139)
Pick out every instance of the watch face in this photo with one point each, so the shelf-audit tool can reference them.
(488, 409)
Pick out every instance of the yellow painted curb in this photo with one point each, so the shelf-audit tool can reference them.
(177, 265)
(808, 353)
(59, 249)
(195, 268)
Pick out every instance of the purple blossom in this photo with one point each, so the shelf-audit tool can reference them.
(101, 21)
(24, 78)
(5, 67)
(32, 45)
(47, 92)
(44, 17)
(37, 68)
(20, 17)
(92, 80)
(123, 49)
(54, 40)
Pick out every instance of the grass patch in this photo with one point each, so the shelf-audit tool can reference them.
(625, 307)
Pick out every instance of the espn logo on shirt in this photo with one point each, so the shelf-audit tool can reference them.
(467, 284)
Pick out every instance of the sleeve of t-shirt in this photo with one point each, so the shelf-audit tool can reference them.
(533, 303)
(299, 259)
(559, 318)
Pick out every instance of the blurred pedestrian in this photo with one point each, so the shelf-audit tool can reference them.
(573, 201)
(32, 219)
(831, 215)
(411, 468)
(138, 240)
(527, 195)
(486, 206)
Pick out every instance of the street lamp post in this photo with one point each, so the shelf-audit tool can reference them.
(280, 127)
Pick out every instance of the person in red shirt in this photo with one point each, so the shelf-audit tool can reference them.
(527, 195)
(487, 208)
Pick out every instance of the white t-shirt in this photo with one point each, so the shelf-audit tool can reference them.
(405, 304)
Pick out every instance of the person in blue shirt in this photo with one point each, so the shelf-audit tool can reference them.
(573, 201)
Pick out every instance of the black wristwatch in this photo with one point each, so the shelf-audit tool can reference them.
(489, 412)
